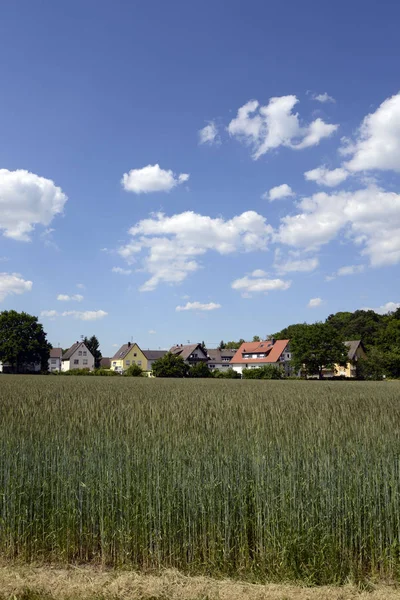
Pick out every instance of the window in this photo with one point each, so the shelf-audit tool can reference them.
(53, 361)
(134, 354)
(76, 361)
(84, 353)
(85, 362)
(80, 353)
(211, 366)
(287, 355)
(139, 362)
(114, 363)
(128, 362)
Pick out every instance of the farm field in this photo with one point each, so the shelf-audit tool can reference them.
(253, 480)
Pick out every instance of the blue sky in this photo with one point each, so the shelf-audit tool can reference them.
(214, 114)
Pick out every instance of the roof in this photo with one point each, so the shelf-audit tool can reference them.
(154, 354)
(185, 350)
(273, 350)
(56, 353)
(352, 346)
(216, 355)
(105, 363)
(123, 351)
(67, 355)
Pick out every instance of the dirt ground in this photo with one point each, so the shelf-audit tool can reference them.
(89, 583)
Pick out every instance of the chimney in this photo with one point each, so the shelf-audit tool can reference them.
(272, 340)
(129, 344)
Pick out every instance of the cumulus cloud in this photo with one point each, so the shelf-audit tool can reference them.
(67, 298)
(350, 270)
(198, 306)
(278, 192)
(323, 98)
(12, 283)
(370, 217)
(85, 315)
(121, 271)
(27, 200)
(294, 263)
(377, 144)
(252, 283)
(151, 179)
(323, 176)
(209, 134)
(265, 128)
(49, 314)
(385, 308)
(152, 331)
(314, 302)
(172, 245)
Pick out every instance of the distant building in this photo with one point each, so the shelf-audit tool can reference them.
(220, 360)
(129, 354)
(192, 354)
(152, 356)
(55, 359)
(356, 351)
(253, 355)
(105, 363)
(77, 357)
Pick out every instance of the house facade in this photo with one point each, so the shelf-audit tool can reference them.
(356, 351)
(129, 354)
(220, 360)
(77, 357)
(55, 360)
(192, 354)
(253, 355)
(151, 357)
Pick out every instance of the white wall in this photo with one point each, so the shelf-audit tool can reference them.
(82, 358)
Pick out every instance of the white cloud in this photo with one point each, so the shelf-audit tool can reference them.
(253, 283)
(350, 270)
(152, 332)
(323, 176)
(265, 128)
(121, 271)
(115, 345)
(386, 308)
(27, 200)
(209, 134)
(295, 263)
(173, 245)
(369, 217)
(81, 286)
(67, 298)
(259, 273)
(278, 192)
(323, 98)
(377, 145)
(314, 302)
(151, 179)
(86, 315)
(12, 283)
(198, 306)
(49, 314)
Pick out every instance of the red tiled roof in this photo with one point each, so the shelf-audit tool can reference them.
(56, 353)
(274, 352)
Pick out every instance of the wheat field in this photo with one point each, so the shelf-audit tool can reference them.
(259, 480)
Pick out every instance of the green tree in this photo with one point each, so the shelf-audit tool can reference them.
(22, 341)
(234, 345)
(133, 371)
(222, 345)
(316, 347)
(170, 365)
(200, 370)
(256, 338)
(93, 344)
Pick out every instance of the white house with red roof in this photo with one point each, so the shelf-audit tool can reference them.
(55, 359)
(253, 355)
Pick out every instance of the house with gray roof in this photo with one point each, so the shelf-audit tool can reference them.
(77, 357)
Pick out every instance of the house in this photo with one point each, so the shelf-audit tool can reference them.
(105, 363)
(24, 368)
(356, 351)
(55, 359)
(152, 356)
(129, 354)
(77, 357)
(219, 360)
(252, 355)
(192, 354)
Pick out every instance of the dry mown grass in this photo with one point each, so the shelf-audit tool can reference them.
(89, 583)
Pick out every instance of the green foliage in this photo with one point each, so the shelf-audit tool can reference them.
(77, 372)
(264, 372)
(278, 482)
(93, 344)
(105, 373)
(227, 374)
(170, 365)
(22, 341)
(133, 371)
(256, 338)
(200, 370)
(316, 347)
(234, 345)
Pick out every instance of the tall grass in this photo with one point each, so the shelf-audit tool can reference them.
(263, 480)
